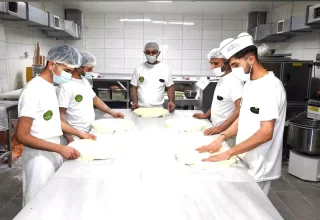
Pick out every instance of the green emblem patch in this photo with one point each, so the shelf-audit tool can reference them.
(48, 115)
(254, 110)
(78, 98)
(141, 79)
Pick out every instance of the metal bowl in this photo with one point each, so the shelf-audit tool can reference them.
(190, 94)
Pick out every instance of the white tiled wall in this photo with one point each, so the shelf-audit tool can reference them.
(118, 44)
(304, 47)
(15, 40)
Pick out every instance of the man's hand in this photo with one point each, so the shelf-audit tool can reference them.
(200, 116)
(117, 115)
(219, 157)
(211, 148)
(211, 131)
(135, 106)
(171, 106)
(87, 136)
(68, 152)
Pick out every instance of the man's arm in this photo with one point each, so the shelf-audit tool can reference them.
(171, 93)
(263, 135)
(134, 94)
(68, 137)
(99, 104)
(227, 123)
(216, 144)
(24, 137)
(203, 115)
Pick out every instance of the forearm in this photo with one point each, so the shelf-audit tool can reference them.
(36, 143)
(254, 141)
(66, 128)
(208, 113)
(134, 94)
(231, 131)
(227, 123)
(171, 93)
(99, 104)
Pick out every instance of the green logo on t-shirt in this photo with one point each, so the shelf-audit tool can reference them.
(254, 110)
(141, 79)
(78, 98)
(48, 115)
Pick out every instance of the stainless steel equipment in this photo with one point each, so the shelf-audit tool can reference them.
(313, 15)
(304, 134)
(14, 11)
(190, 94)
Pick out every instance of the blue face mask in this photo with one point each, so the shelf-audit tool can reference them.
(151, 59)
(88, 75)
(63, 78)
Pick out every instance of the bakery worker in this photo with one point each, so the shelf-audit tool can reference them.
(149, 81)
(39, 127)
(260, 125)
(226, 100)
(76, 98)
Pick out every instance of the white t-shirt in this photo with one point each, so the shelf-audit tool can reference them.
(38, 100)
(263, 99)
(151, 81)
(228, 90)
(77, 97)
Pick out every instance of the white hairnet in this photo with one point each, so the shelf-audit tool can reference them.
(65, 54)
(152, 45)
(264, 50)
(215, 53)
(87, 59)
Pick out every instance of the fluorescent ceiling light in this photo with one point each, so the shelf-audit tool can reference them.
(159, 1)
(136, 20)
(183, 23)
(159, 22)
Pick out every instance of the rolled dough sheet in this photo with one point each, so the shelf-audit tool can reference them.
(190, 157)
(112, 125)
(186, 125)
(151, 112)
(97, 150)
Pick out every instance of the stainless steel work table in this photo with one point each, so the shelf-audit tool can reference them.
(148, 184)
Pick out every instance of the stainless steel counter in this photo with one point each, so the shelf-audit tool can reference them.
(148, 183)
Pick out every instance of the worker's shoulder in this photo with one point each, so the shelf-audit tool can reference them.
(272, 80)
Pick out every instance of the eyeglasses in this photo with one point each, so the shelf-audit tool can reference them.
(153, 52)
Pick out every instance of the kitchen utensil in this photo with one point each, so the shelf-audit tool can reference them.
(29, 71)
(190, 94)
(37, 60)
(43, 60)
(304, 134)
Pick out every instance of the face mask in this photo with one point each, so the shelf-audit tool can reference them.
(63, 78)
(88, 75)
(217, 72)
(151, 59)
(239, 73)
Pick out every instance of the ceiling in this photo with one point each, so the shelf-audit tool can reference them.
(217, 7)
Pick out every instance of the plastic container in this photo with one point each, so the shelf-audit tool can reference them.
(118, 94)
(104, 94)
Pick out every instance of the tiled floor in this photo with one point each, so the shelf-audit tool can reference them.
(293, 198)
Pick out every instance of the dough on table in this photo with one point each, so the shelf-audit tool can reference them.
(186, 125)
(191, 157)
(97, 150)
(112, 125)
(151, 112)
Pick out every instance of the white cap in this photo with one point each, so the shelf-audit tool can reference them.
(234, 46)
(215, 53)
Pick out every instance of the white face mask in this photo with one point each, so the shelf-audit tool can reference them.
(239, 73)
(217, 72)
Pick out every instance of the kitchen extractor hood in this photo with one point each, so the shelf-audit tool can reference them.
(267, 33)
(54, 23)
(313, 15)
(70, 32)
(13, 11)
(37, 17)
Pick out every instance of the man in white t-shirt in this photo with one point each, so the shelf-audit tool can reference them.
(39, 126)
(149, 81)
(76, 98)
(260, 125)
(226, 100)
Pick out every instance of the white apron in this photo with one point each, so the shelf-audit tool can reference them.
(38, 167)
